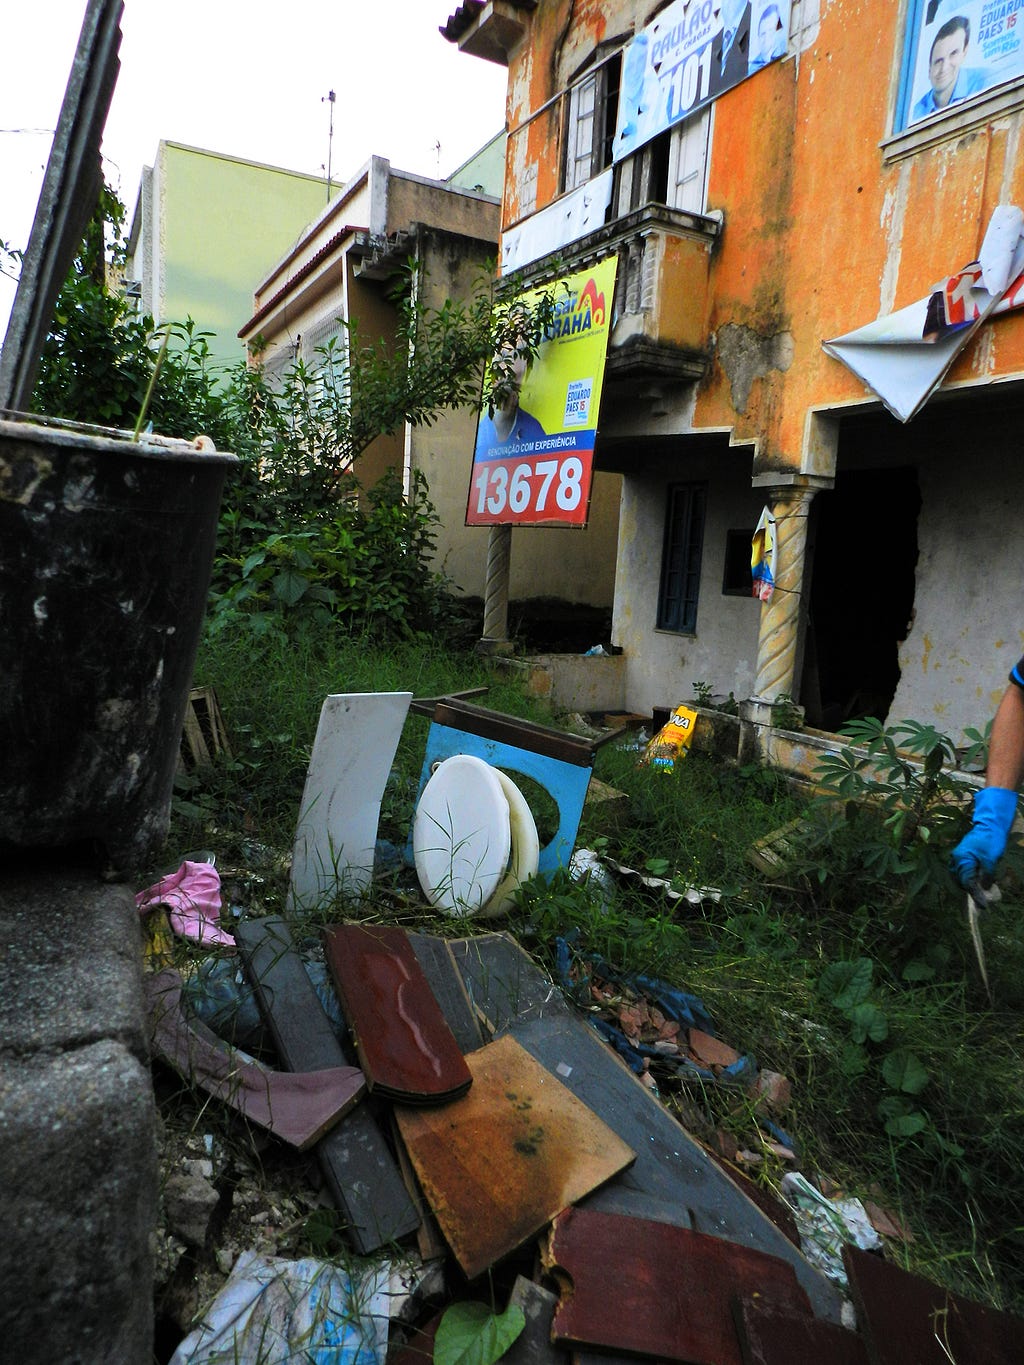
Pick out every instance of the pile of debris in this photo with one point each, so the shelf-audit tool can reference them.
(501, 1181)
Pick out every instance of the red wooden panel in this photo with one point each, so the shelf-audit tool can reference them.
(298, 1107)
(406, 1049)
(657, 1290)
(905, 1318)
(770, 1337)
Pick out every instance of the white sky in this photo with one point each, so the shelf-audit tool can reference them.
(247, 78)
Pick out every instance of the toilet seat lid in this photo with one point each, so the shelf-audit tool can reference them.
(461, 835)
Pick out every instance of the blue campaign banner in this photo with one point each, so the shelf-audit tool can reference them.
(690, 54)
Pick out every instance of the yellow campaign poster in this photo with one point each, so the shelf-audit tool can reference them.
(534, 458)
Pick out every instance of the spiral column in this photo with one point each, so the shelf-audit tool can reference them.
(780, 617)
(499, 554)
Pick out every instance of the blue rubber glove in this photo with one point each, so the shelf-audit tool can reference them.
(985, 842)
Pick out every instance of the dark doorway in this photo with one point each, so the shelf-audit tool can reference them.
(863, 554)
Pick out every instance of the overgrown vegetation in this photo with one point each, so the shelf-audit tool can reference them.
(849, 969)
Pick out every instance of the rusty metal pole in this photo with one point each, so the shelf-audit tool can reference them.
(499, 553)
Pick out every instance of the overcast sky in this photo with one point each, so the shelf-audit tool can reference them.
(247, 78)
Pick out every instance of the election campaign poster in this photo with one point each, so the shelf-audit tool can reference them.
(534, 458)
(691, 53)
(957, 49)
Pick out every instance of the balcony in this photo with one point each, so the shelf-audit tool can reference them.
(659, 317)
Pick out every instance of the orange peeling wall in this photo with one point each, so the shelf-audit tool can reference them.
(820, 235)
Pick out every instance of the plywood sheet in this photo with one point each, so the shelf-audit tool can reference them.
(904, 1317)
(673, 1180)
(357, 1165)
(406, 1049)
(498, 1164)
(656, 1290)
(770, 1337)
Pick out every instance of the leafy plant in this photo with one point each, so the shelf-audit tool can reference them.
(473, 1334)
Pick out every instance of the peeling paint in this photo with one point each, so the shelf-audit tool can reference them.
(39, 609)
(21, 477)
(746, 355)
(893, 215)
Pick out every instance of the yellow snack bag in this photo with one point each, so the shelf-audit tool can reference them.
(672, 740)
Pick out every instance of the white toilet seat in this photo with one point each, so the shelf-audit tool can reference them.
(469, 820)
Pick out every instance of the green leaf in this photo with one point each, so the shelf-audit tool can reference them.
(470, 1334)
(904, 1070)
(868, 1022)
(918, 971)
(847, 984)
(906, 1125)
(854, 1061)
(290, 586)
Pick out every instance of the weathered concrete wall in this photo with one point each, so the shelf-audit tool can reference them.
(77, 1124)
(967, 632)
(662, 666)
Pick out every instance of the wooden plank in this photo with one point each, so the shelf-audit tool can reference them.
(521, 734)
(534, 1345)
(499, 1163)
(504, 983)
(405, 1047)
(768, 1336)
(360, 1173)
(657, 1290)
(298, 1107)
(426, 706)
(674, 1179)
(904, 1317)
(435, 957)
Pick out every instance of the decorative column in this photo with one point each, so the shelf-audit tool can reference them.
(499, 553)
(780, 616)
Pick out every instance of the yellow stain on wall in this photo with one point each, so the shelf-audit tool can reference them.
(927, 653)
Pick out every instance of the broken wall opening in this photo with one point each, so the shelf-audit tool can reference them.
(863, 554)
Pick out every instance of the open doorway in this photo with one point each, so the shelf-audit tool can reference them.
(863, 555)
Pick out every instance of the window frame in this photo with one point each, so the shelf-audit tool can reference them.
(682, 555)
(603, 77)
(1004, 95)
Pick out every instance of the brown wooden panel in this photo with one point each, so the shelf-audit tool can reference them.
(523, 734)
(498, 1164)
(406, 1049)
(298, 1107)
(905, 1318)
(357, 1165)
(770, 1337)
(657, 1290)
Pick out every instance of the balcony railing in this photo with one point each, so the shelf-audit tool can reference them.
(660, 312)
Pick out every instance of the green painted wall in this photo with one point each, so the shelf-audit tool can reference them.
(485, 169)
(224, 223)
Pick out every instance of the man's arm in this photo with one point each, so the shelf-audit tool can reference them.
(995, 806)
(1006, 748)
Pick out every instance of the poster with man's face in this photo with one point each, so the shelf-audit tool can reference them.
(959, 49)
(534, 454)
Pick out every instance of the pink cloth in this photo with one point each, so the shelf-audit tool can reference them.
(192, 896)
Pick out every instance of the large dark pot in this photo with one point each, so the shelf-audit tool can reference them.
(105, 553)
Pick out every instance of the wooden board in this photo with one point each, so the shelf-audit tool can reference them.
(904, 1317)
(673, 1179)
(656, 1290)
(360, 1173)
(298, 1107)
(435, 957)
(406, 1049)
(534, 1345)
(498, 1164)
(504, 983)
(770, 1337)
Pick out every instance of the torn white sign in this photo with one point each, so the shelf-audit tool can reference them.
(904, 357)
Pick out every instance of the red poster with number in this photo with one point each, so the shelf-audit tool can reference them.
(534, 459)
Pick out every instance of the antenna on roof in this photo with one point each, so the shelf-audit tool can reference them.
(329, 98)
(437, 154)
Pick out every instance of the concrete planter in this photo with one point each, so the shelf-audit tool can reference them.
(106, 547)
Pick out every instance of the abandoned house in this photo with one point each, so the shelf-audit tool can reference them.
(770, 178)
